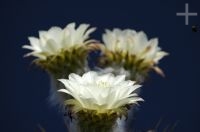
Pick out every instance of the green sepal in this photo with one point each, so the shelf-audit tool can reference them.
(65, 62)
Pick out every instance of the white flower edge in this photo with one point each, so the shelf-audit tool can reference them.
(51, 42)
(101, 93)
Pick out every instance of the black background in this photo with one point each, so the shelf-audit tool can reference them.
(24, 89)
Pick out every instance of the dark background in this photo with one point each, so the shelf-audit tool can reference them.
(24, 89)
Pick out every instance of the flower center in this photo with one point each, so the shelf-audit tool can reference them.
(103, 84)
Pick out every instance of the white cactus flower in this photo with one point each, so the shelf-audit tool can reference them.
(101, 93)
(135, 43)
(54, 40)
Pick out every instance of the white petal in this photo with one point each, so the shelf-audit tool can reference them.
(88, 32)
(34, 42)
(64, 91)
(160, 55)
(119, 79)
(89, 77)
(75, 78)
(28, 47)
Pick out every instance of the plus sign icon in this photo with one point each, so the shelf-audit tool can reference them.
(186, 14)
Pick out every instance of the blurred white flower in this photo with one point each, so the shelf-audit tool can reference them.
(54, 40)
(116, 70)
(101, 93)
(135, 43)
